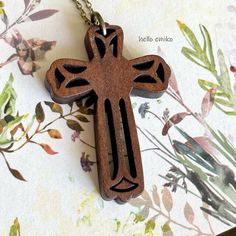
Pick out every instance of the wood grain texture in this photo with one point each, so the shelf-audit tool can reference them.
(112, 78)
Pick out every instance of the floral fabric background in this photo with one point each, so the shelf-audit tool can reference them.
(48, 169)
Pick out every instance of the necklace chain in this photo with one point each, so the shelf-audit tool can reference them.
(94, 19)
(80, 6)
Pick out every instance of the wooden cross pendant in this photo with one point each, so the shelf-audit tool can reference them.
(112, 78)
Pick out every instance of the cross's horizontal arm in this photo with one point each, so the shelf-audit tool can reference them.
(68, 80)
(150, 76)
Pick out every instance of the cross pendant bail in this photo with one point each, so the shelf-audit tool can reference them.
(112, 78)
(97, 19)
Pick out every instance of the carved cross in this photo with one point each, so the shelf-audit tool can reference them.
(112, 78)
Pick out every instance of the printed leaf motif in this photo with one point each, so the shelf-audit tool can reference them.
(216, 215)
(48, 149)
(9, 118)
(166, 230)
(169, 233)
(8, 98)
(173, 83)
(1, 128)
(208, 102)
(26, 3)
(224, 146)
(84, 108)
(15, 228)
(173, 121)
(197, 54)
(15, 172)
(118, 225)
(4, 18)
(208, 46)
(224, 98)
(138, 218)
(187, 163)
(74, 125)
(189, 35)
(90, 101)
(224, 78)
(205, 206)
(193, 153)
(205, 143)
(79, 103)
(137, 202)
(207, 85)
(2, 5)
(4, 139)
(167, 199)
(41, 15)
(150, 226)
(145, 212)
(82, 118)
(55, 107)
(86, 111)
(53, 133)
(155, 196)
(147, 198)
(40, 116)
(19, 126)
(188, 213)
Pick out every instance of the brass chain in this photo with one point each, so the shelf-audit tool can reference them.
(80, 6)
(94, 19)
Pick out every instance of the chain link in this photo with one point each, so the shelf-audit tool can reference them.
(80, 6)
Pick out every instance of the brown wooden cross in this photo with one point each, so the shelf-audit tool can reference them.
(112, 78)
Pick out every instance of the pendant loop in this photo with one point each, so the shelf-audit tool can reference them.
(97, 19)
